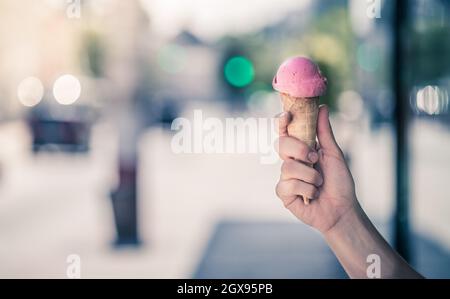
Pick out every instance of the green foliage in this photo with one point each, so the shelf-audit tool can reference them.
(329, 41)
(92, 53)
(331, 44)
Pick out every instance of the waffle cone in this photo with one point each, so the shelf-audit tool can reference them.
(304, 112)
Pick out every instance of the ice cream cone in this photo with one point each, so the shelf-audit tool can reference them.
(300, 84)
(304, 113)
(303, 125)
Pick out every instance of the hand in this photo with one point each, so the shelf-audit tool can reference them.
(329, 184)
(333, 210)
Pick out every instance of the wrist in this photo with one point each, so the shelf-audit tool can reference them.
(352, 218)
(352, 240)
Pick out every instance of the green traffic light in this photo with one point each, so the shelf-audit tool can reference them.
(239, 71)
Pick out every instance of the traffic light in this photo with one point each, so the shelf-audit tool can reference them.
(239, 71)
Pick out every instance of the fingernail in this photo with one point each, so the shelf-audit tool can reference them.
(320, 181)
(313, 157)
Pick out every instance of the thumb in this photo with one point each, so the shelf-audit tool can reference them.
(325, 132)
(281, 123)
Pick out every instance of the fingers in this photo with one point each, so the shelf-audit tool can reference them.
(281, 121)
(289, 190)
(292, 148)
(289, 147)
(325, 133)
(291, 169)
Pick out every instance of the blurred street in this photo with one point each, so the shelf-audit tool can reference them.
(47, 214)
(89, 91)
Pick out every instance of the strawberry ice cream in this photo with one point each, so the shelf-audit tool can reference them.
(300, 78)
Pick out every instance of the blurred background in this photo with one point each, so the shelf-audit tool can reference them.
(88, 92)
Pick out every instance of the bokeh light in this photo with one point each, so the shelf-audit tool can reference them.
(320, 48)
(239, 71)
(67, 89)
(30, 91)
(431, 100)
(369, 57)
(362, 25)
(350, 104)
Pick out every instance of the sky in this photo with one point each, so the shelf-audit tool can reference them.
(210, 19)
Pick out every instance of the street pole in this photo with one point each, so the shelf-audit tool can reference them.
(401, 115)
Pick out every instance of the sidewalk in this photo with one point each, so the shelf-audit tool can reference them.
(52, 206)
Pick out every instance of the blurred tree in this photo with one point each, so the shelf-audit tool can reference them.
(92, 53)
(331, 44)
(328, 40)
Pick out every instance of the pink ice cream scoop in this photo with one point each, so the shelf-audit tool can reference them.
(301, 78)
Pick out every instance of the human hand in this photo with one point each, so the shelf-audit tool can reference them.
(329, 184)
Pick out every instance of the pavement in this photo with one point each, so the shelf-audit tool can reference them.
(278, 249)
(53, 205)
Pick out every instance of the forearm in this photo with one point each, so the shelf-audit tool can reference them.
(354, 238)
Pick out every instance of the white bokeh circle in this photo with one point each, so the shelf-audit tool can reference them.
(30, 91)
(66, 89)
